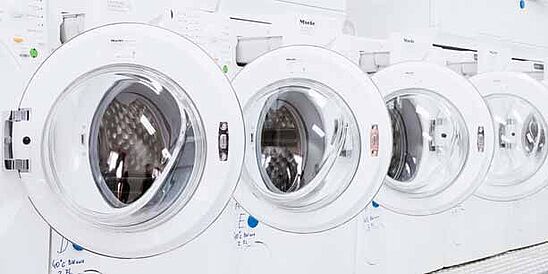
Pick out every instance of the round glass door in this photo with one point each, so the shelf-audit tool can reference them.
(442, 138)
(145, 146)
(430, 142)
(520, 140)
(318, 139)
(519, 109)
(129, 155)
(304, 134)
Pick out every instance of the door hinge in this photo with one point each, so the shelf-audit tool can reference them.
(10, 162)
(19, 115)
(21, 165)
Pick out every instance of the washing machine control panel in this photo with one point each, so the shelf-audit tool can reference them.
(210, 31)
(23, 30)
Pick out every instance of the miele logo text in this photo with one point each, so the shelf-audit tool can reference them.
(408, 40)
(307, 22)
(116, 40)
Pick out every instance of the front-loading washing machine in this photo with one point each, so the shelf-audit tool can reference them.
(442, 148)
(519, 169)
(489, 235)
(527, 184)
(505, 209)
(443, 143)
(528, 225)
(260, 30)
(318, 146)
(210, 31)
(132, 152)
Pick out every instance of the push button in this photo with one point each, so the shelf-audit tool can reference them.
(223, 141)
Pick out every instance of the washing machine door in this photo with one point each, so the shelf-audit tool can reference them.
(318, 139)
(519, 106)
(443, 138)
(129, 140)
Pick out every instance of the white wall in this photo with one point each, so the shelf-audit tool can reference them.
(495, 20)
(379, 18)
(260, 9)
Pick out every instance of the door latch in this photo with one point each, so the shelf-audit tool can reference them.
(223, 141)
(481, 139)
(374, 140)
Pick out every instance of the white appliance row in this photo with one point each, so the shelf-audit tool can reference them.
(131, 140)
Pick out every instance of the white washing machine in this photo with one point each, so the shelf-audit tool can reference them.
(505, 210)
(519, 168)
(318, 146)
(529, 227)
(441, 152)
(492, 221)
(132, 152)
(431, 115)
(261, 28)
(210, 31)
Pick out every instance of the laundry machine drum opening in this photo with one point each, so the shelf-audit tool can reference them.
(520, 138)
(284, 147)
(305, 135)
(430, 142)
(144, 145)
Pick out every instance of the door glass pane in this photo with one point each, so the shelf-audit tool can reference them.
(430, 142)
(307, 143)
(126, 146)
(520, 140)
